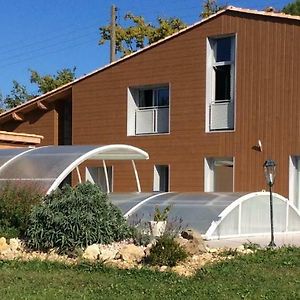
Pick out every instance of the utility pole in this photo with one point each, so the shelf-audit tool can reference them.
(113, 34)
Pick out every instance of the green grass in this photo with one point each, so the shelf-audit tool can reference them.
(263, 275)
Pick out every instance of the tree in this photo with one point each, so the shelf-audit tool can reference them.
(210, 7)
(19, 93)
(48, 83)
(292, 8)
(17, 96)
(140, 33)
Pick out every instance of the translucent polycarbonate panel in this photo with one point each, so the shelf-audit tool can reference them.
(255, 215)
(293, 220)
(229, 225)
(126, 201)
(196, 210)
(279, 214)
(7, 154)
(43, 165)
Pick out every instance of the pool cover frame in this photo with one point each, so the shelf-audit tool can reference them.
(48, 166)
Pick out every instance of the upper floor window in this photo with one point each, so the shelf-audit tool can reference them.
(220, 85)
(148, 110)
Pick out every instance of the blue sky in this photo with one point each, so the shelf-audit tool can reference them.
(47, 36)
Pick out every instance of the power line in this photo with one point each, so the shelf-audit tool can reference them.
(44, 54)
(43, 41)
(44, 47)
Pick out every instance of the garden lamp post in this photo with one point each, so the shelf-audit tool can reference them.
(270, 173)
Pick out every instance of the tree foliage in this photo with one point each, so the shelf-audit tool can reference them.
(140, 33)
(17, 96)
(19, 93)
(292, 8)
(48, 83)
(210, 7)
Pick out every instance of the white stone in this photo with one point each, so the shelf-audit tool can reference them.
(213, 250)
(240, 248)
(131, 253)
(163, 268)
(92, 252)
(14, 244)
(108, 254)
(3, 245)
(248, 251)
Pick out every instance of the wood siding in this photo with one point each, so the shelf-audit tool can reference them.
(37, 122)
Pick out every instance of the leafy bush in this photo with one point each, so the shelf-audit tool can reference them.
(166, 252)
(75, 217)
(16, 202)
(141, 234)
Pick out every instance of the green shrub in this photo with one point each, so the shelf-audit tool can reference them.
(16, 202)
(161, 215)
(75, 217)
(166, 252)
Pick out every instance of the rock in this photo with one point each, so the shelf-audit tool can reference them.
(191, 234)
(182, 270)
(92, 252)
(240, 249)
(248, 251)
(163, 268)
(192, 242)
(3, 245)
(108, 254)
(193, 247)
(213, 250)
(131, 253)
(14, 244)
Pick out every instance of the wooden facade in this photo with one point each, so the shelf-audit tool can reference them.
(267, 104)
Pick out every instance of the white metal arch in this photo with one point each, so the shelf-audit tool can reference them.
(15, 157)
(237, 203)
(107, 152)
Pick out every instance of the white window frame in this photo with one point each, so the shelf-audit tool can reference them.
(89, 177)
(133, 107)
(211, 81)
(209, 163)
(294, 180)
(154, 178)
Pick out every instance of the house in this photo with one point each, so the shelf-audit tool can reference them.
(209, 104)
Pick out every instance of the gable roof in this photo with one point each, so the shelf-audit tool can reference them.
(67, 88)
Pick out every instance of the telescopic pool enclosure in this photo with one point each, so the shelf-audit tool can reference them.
(214, 215)
(47, 167)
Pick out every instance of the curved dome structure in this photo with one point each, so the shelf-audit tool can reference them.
(215, 215)
(48, 166)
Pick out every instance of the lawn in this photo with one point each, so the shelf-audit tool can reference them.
(271, 274)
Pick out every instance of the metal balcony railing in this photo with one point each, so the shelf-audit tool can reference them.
(150, 120)
(221, 115)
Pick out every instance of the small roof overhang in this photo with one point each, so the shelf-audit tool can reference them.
(20, 138)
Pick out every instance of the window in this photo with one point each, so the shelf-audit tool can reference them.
(219, 174)
(161, 178)
(220, 84)
(294, 180)
(148, 110)
(97, 176)
(64, 110)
